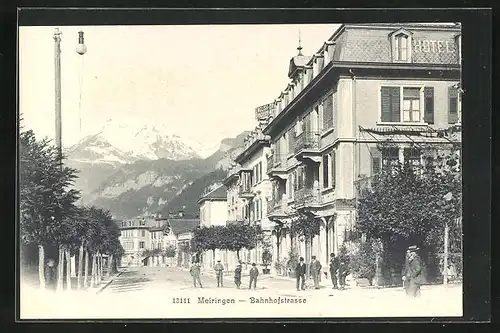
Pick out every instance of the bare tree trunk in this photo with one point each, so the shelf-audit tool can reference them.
(80, 266)
(93, 277)
(60, 268)
(41, 266)
(110, 264)
(86, 279)
(68, 269)
(101, 259)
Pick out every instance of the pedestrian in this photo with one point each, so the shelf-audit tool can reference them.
(334, 268)
(237, 276)
(414, 276)
(254, 273)
(315, 271)
(403, 273)
(50, 273)
(343, 268)
(300, 273)
(195, 273)
(219, 268)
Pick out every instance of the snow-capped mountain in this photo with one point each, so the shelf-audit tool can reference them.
(120, 143)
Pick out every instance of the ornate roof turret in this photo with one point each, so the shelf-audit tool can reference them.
(297, 62)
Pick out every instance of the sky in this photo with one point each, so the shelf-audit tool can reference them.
(201, 82)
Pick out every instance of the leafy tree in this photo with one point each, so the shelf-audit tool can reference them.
(46, 200)
(410, 204)
(170, 251)
(238, 236)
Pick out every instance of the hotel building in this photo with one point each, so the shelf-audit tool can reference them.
(367, 84)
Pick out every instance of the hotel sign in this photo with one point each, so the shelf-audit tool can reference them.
(264, 111)
(433, 46)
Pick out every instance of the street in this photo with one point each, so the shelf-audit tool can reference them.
(168, 292)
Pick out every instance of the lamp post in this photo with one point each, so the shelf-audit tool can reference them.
(448, 198)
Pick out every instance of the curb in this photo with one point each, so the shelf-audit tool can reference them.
(109, 282)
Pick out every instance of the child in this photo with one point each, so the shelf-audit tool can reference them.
(254, 272)
(237, 276)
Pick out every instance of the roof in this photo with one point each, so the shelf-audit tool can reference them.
(160, 228)
(180, 226)
(297, 62)
(219, 193)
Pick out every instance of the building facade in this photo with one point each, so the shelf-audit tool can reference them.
(213, 212)
(367, 84)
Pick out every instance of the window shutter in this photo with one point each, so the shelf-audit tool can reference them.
(390, 104)
(376, 160)
(429, 105)
(333, 169)
(326, 172)
(452, 105)
(328, 112)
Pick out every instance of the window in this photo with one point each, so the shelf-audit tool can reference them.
(143, 233)
(141, 245)
(328, 112)
(407, 104)
(452, 105)
(333, 161)
(411, 104)
(291, 139)
(401, 46)
(412, 156)
(326, 171)
(290, 185)
(376, 160)
(390, 157)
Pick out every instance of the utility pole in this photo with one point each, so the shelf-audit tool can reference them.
(57, 63)
(445, 260)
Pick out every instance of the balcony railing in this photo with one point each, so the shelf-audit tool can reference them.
(277, 161)
(276, 207)
(307, 196)
(245, 190)
(307, 140)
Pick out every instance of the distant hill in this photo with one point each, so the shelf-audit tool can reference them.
(149, 186)
(187, 200)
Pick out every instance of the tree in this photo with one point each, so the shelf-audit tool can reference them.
(46, 199)
(169, 251)
(237, 236)
(406, 204)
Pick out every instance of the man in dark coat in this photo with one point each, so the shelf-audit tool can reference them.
(195, 273)
(343, 268)
(254, 273)
(413, 273)
(334, 267)
(300, 273)
(315, 271)
(237, 276)
(50, 273)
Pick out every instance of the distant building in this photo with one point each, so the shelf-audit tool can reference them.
(213, 212)
(144, 239)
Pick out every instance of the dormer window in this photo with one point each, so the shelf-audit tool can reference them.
(321, 63)
(401, 41)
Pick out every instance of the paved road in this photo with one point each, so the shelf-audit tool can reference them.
(164, 292)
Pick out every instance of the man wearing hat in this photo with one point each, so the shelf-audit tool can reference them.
(315, 271)
(254, 272)
(300, 273)
(334, 267)
(219, 268)
(195, 273)
(413, 273)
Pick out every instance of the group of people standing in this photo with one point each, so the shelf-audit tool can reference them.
(338, 272)
(195, 272)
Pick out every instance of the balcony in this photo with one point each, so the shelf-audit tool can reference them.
(307, 146)
(276, 166)
(307, 197)
(276, 209)
(245, 191)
